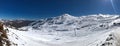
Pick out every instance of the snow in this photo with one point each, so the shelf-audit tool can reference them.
(34, 39)
(116, 21)
(116, 36)
(90, 30)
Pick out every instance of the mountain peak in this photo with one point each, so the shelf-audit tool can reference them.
(66, 15)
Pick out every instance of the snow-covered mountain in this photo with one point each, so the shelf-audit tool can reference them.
(68, 30)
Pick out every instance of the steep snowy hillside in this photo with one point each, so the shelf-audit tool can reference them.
(67, 30)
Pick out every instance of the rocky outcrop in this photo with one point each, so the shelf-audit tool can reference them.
(4, 41)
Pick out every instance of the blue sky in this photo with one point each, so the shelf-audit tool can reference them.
(35, 9)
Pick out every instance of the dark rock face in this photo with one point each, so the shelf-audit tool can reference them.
(116, 24)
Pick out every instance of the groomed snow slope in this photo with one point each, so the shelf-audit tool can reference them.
(94, 30)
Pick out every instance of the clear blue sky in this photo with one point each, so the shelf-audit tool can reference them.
(35, 9)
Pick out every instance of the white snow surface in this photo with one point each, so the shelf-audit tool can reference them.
(67, 30)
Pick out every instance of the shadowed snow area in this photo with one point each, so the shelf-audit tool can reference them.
(67, 30)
